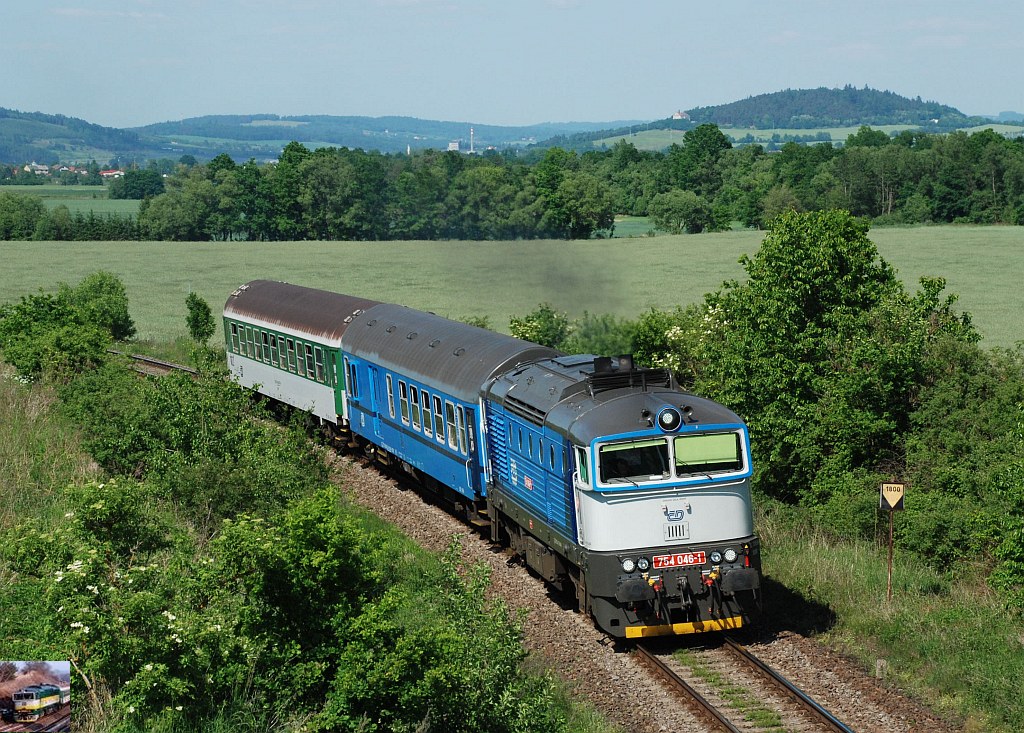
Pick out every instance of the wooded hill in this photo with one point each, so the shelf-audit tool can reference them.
(44, 138)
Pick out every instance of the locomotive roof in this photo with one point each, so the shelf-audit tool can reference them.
(316, 312)
(587, 397)
(458, 357)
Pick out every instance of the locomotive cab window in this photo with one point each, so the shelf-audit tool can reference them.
(582, 467)
(706, 454)
(634, 461)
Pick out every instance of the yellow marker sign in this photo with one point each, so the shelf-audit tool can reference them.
(892, 497)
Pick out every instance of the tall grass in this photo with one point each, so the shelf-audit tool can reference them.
(39, 453)
(943, 637)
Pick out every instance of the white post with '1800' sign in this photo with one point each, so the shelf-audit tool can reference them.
(891, 500)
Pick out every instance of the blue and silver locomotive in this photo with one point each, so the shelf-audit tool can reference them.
(606, 479)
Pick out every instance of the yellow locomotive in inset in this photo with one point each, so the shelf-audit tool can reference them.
(35, 701)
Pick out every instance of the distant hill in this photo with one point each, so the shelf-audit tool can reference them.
(846, 107)
(45, 138)
(802, 109)
(28, 136)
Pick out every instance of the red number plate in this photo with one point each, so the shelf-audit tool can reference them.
(679, 560)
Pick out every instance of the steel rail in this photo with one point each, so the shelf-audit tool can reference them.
(168, 365)
(816, 711)
(705, 708)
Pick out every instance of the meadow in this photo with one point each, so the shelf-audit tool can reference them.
(496, 280)
(81, 199)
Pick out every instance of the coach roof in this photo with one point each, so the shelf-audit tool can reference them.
(453, 356)
(316, 312)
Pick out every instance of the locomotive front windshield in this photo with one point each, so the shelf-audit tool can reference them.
(682, 456)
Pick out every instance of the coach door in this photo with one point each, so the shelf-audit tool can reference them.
(375, 398)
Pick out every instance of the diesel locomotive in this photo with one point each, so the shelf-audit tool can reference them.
(33, 702)
(606, 479)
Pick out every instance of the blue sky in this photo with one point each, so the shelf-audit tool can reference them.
(133, 62)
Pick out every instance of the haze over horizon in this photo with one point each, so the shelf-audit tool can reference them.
(129, 63)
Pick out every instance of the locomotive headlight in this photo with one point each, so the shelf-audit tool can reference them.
(715, 556)
(669, 419)
(643, 564)
(731, 555)
(628, 565)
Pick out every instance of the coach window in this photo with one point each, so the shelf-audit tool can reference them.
(460, 415)
(321, 375)
(350, 377)
(261, 345)
(391, 394)
(438, 420)
(300, 361)
(469, 433)
(427, 430)
(403, 401)
(414, 399)
(247, 350)
(283, 361)
(310, 370)
(291, 355)
(273, 349)
(449, 414)
(332, 369)
(234, 338)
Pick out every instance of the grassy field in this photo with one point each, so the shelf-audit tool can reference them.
(81, 198)
(624, 277)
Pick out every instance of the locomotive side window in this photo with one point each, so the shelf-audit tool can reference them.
(414, 401)
(321, 375)
(438, 420)
(391, 395)
(291, 355)
(634, 461)
(427, 421)
(705, 454)
(449, 414)
(403, 401)
(309, 362)
(581, 466)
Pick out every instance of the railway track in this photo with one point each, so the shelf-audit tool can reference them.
(153, 366)
(59, 720)
(734, 691)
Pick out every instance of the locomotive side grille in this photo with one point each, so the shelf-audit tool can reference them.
(528, 412)
(677, 531)
(642, 378)
(499, 451)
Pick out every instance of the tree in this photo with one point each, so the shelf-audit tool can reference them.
(543, 326)
(20, 215)
(677, 211)
(101, 300)
(136, 184)
(199, 319)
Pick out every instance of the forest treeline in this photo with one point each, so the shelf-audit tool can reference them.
(703, 184)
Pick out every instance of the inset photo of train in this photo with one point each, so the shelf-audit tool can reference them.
(34, 692)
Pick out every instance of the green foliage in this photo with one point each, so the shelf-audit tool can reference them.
(67, 332)
(544, 326)
(20, 215)
(679, 211)
(199, 319)
(603, 335)
(450, 661)
(137, 184)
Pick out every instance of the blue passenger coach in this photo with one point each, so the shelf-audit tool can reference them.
(414, 391)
